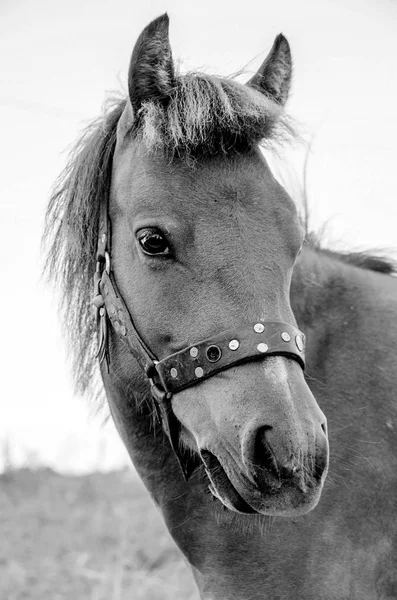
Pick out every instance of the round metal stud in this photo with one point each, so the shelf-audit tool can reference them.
(123, 330)
(112, 309)
(193, 352)
(299, 342)
(285, 336)
(198, 371)
(234, 344)
(103, 238)
(213, 353)
(262, 347)
(259, 328)
(174, 372)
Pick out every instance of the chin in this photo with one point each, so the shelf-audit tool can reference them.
(289, 498)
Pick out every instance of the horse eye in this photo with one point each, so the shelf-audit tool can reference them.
(153, 242)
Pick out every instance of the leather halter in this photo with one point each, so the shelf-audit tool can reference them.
(191, 365)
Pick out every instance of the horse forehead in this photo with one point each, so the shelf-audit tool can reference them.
(210, 186)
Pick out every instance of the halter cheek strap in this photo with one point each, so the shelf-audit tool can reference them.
(192, 365)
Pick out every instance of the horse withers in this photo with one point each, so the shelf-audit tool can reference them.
(170, 208)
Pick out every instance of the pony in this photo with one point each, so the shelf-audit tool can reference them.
(201, 280)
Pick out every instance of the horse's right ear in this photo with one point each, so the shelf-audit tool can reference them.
(151, 72)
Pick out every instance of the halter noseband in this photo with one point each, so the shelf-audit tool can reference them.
(191, 365)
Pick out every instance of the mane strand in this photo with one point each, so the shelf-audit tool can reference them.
(71, 233)
(367, 260)
(371, 260)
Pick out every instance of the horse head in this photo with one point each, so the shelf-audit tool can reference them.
(203, 241)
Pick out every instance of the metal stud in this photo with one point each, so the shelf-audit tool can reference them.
(259, 328)
(234, 344)
(285, 336)
(213, 353)
(174, 372)
(103, 238)
(112, 310)
(299, 342)
(262, 347)
(102, 311)
(193, 352)
(123, 330)
(198, 371)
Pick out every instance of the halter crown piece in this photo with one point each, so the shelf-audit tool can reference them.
(190, 365)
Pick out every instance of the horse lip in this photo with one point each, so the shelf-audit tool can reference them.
(227, 492)
(221, 487)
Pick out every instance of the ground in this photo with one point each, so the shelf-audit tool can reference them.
(94, 537)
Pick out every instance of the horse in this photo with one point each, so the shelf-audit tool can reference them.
(221, 332)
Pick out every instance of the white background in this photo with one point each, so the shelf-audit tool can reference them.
(61, 59)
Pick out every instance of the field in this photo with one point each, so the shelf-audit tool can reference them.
(92, 537)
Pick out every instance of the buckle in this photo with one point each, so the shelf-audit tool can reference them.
(103, 263)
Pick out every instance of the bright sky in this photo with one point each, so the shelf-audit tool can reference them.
(60, 60)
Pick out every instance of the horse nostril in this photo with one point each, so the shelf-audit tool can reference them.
(321, 462)
(263, 456)
(320, 466)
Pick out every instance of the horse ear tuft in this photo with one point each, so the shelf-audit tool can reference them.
(151, 71)
(274, 75)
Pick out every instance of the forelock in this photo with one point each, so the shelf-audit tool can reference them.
(208, 115)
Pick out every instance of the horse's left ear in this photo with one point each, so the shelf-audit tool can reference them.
(274, 75)
(151, 71)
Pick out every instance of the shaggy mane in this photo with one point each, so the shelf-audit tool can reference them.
(372, 261)
(208, 115)
(71, 236)
(365, 260)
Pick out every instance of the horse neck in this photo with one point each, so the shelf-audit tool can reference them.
(349, 316)
(313, 280)
(331, 294)
(328, 296)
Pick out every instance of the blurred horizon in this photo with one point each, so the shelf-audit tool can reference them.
(58, 61)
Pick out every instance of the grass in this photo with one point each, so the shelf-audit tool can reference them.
(95, 537)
